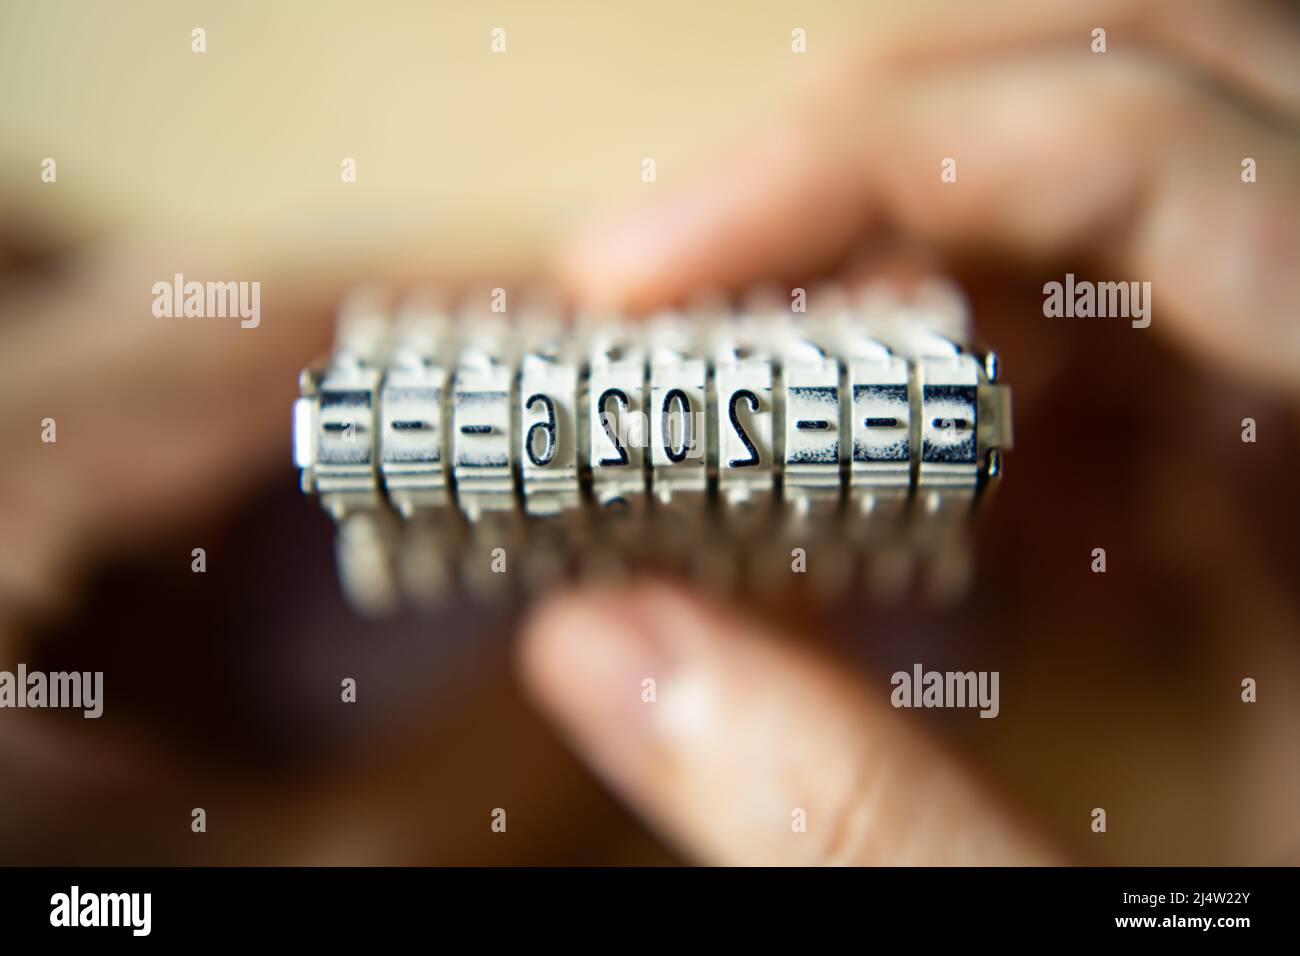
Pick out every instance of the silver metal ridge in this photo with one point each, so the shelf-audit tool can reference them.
(449, 443)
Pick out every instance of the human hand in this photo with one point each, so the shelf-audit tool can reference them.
(1128, 162)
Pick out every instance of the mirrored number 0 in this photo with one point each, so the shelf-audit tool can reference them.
(684, 403)
(547, 427)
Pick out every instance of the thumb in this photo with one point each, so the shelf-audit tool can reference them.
(743, 749)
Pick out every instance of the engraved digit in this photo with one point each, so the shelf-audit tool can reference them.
(752, 400)
(684, 401)
(547, 427)
(620, 397)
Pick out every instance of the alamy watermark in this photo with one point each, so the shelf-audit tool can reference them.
(77, 690)
(75, 908)
(680, 431)
(1085, 300)
(208, 300)
(922, 688)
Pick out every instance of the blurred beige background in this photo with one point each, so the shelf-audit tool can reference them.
(491, 154)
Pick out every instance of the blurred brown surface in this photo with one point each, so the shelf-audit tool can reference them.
(222, 690)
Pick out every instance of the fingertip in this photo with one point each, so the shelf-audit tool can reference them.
(623, 261)
(588, 635)
(553, 634)
(586, 658)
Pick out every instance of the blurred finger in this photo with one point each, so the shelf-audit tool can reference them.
(740, 736)
(1121, 164)
(157, 418)
(1248, 47)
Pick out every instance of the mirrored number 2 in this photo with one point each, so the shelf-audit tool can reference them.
(621, 398)
(752, 400)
